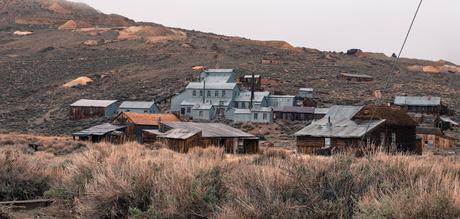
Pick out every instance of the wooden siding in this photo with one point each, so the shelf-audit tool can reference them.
(429, 140)
(79, 113)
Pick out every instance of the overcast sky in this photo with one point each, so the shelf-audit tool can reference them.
(330, 25)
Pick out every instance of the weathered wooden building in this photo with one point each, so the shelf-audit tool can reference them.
(247, 80)
(445, 123)
(421, 104)
(85, 109)
(135, 123)
(434, 138)
(107, 132)
(182, 136)
(296, 113)
(356, 77)
(357, 127)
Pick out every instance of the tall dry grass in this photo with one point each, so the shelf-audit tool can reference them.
(107, 181)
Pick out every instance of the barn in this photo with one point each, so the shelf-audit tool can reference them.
(182, 136)
(85, 109)
(137, 122)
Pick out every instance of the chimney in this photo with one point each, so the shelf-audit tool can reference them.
(252, 91)
(329, 123)
(204, 91)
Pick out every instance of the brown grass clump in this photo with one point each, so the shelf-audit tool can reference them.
(107, 181)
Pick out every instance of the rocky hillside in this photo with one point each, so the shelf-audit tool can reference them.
(45, 44)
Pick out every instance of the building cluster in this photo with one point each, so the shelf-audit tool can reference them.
(218, 95)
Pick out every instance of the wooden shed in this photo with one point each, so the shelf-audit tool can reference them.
(181, 136)
(85, 109)
(246, 82)
(137, 122)
(421, 104)
(352, 127)
(356, 77)
(103, 133)
(434, 138)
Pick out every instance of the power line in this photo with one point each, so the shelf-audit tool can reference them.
(393, 69)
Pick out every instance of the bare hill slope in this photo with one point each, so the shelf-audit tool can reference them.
(140, 61)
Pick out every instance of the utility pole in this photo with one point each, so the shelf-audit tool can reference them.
(252, 91)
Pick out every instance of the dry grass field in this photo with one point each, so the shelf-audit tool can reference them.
(108, 181)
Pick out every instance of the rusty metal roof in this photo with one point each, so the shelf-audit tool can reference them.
(93, 103)
(210, 130)
(342, 125)
(99, 130)
(417, 101)
(147, 119)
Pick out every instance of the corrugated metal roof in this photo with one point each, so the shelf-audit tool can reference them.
(294, 109)
(250, 76)
(93, 103)
(282, 96)
(193, 102)
(307, 89)
(321, 111)
(246, 96)
(99, 130)
(153, 131)
(357, 75)
(341, 124)
(249, 111)
(449, 120)
(217, 79)
(202, 107)
(211, 86)
(136, 105)
(417, 101)
(429, 131)
(179, 133)
(148, 119)
(210, 130)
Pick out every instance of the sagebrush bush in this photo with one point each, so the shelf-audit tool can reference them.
(107, 181)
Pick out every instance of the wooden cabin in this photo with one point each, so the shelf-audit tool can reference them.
(421, 104)
(295, 113)
(85, 109)
(137, 122)
(434, 138)
(181, 136)
(356, 77)
(103, 133)
(445, 123)
(347, 128)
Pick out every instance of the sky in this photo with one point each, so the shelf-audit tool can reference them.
(328, 25)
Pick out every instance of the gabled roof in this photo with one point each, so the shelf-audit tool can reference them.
(417, 101)
(147, 119)
(137, 105)
(210, 130)
(179, 133)
(429, 131)
(99, 130)
(211, 86)
(392, 115)
(93, 103)
(342, 125)
(203, 107)
(448, 120)
(246, 96)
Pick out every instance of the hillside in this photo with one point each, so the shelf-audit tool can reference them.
(61, 41)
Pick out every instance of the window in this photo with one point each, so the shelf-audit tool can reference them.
(182, 111)
(327, 142)
(209, 93)
(223, 93)
(189, 109)
(201, 93)
(221, 103)
(145, 111)
(256, 116)
(200, 113)
(265, 116)
(194, 93)
(243, 105)
(216, 93)
(393, 138)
